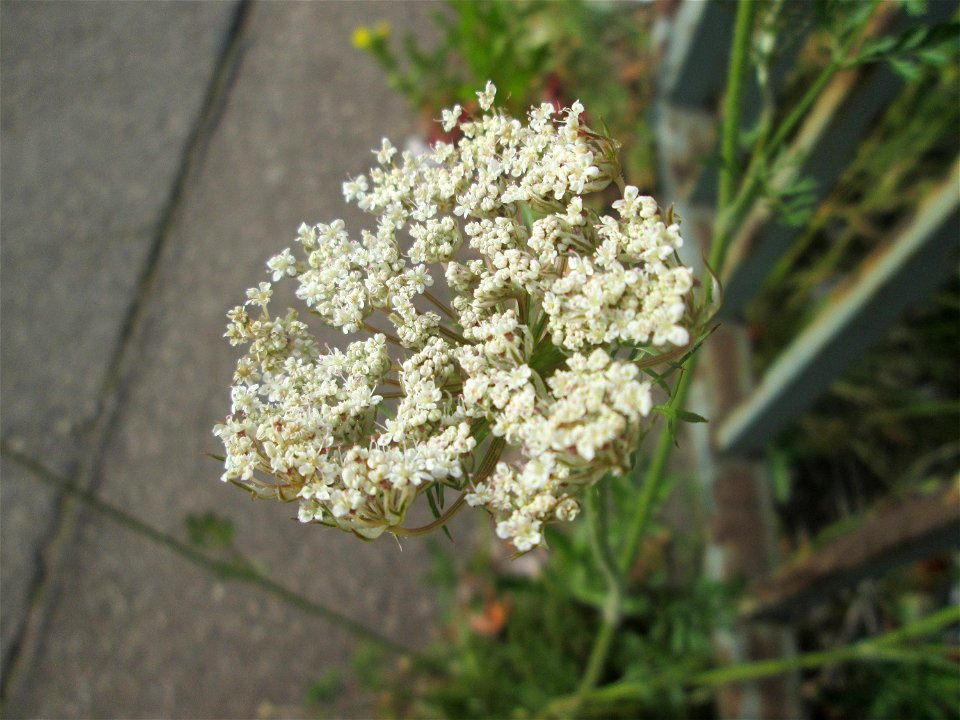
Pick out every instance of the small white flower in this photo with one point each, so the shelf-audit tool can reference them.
(451, 117)
(567, 509)
(386, 152)
(354, 189)
(260, 295)
(487, 95)
(282, 264)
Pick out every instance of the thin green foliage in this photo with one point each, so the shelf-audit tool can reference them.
(659, 659)
(538, 653)
(534, 51)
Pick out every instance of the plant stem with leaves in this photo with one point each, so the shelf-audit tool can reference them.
(739, 68)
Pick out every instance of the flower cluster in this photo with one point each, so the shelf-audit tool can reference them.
(506, 319)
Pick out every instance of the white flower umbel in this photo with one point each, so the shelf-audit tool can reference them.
(521, 391)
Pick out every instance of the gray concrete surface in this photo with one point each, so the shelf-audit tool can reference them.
(152, 160)
(98, 102)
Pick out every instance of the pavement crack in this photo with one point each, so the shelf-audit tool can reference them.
(224, 74)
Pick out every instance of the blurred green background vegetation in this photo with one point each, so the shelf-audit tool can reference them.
(519, 635)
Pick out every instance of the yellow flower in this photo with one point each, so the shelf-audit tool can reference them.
(364, 36)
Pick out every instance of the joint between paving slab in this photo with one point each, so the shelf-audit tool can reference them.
(38, 585)
(207, 120)
(84, 473)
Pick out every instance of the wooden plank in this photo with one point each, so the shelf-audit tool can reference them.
(695, 65)
(827, 142)
(918, 528)
(893, 277)
(825, 145)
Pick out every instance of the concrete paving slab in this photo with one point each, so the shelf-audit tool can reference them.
(140, 635)
(144, 635)
(98, 102)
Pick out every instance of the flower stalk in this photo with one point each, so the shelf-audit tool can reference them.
(612, 613)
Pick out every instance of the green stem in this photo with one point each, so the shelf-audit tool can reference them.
(879, 649)
(440, 305)
(767, 668)
(598, 658)
(733, 102)
(228, 570)
(730, 212)
(731, 207)
(655, 474)
(613, 605)
(838, 62)
(455, 336)
(392, 339)
(430, 527)
(654, 477)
